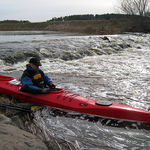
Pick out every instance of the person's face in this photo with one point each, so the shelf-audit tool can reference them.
(34, 67)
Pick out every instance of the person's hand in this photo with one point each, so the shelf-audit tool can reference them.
(45, 90)
(52, 86)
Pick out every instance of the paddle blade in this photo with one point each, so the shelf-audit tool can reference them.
(33, 107)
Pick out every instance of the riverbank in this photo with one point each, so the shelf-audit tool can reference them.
(14, 133)
(19, 129)
(100, 27)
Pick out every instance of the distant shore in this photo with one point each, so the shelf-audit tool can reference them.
(97, 27)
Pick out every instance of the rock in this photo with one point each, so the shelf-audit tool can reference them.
(14, 138)
(17, 122)
(105, 38)
(5, 120)
(138, 47)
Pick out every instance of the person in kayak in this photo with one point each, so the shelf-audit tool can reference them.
(34, 80)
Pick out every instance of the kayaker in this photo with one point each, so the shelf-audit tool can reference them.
(34, 80)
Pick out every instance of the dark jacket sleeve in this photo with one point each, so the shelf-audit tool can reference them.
(46, 79)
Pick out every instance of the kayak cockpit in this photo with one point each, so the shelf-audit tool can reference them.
(56, 90)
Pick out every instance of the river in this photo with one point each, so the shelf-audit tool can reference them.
(111, 67)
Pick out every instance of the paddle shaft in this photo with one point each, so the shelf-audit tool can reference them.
(21, 108)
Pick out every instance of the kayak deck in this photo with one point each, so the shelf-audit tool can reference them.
(71, 101)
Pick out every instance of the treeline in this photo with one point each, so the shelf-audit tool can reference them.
(14, 21)
(91, 17)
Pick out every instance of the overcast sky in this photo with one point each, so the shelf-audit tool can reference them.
(43, 10)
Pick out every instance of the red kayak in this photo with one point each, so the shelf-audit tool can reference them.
(70, 101)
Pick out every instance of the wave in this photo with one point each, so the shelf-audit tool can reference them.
(64, 55)
(66, 48)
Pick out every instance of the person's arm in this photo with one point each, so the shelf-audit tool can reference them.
(47, 80)
(27, 86)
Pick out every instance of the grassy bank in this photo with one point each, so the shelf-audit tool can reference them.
(112, 26)
(90, 26)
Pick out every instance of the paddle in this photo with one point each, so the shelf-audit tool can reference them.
(21, 108)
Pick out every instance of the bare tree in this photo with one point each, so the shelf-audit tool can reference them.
(137, 7)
